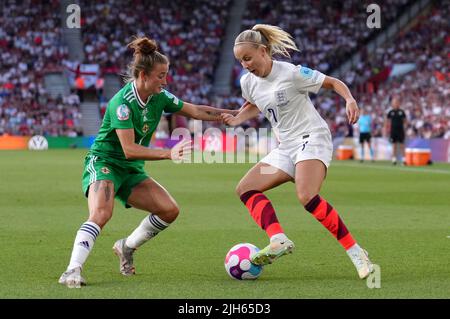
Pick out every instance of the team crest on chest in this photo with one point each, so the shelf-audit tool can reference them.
(105, 170)
(281, 97)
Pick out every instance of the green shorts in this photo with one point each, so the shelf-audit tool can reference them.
(124, 175)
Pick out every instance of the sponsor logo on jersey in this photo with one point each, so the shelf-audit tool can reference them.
(123, 112)
(105, 170)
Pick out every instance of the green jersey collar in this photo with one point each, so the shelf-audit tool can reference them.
(138, 98)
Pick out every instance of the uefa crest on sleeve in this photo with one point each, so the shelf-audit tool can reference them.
(123, 112)
(307, 73)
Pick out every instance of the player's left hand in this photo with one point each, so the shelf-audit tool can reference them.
(230, 120)
(232, 112)
(352, 110)
(181, 152)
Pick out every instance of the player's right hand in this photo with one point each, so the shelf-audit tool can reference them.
(229, 119)
(352, 111)
(181, 152)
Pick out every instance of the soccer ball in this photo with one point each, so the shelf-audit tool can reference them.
(37, 143)
(237, 262)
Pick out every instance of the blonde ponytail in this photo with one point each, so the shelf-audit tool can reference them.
(274, 38)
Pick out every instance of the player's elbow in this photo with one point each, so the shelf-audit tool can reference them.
(129, 153)
(330, 83)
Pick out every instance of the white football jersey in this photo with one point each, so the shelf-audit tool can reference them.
(283, 98)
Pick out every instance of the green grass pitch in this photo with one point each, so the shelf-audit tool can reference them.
(401, 215)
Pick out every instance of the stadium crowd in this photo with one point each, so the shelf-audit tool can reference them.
(31, 44)
(41, 114)
(327, 32)
(188, 32)
(423, 92)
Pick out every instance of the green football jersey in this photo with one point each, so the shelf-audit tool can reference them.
(126, 110)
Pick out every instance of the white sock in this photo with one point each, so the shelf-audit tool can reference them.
(355, 249)
(84, 242)
(147, 229)
(278, 237)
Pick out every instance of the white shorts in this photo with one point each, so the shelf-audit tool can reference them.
(312, 146)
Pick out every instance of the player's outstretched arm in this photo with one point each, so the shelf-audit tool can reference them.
(135, 151)
(342, 89)
(247, 112)
(203, 112)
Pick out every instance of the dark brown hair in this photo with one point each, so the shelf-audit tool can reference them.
(145, 57)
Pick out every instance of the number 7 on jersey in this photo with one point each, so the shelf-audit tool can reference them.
(272, 111)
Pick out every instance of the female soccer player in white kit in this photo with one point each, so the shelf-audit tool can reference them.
(280, 91)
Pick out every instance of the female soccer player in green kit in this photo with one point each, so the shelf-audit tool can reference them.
(114, 166)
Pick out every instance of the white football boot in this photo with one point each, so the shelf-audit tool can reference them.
(125, 255)
(360, 258)
(72, 278)
(273, 251)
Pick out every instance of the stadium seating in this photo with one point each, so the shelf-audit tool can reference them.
(423, 92)
(191, 41)
(325, 31)
(31, 44)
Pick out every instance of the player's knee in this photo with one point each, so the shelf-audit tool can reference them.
(238, 190)
(100, 216)
(305, 196)
(175, 211)
(241, 189)
(171, 212)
